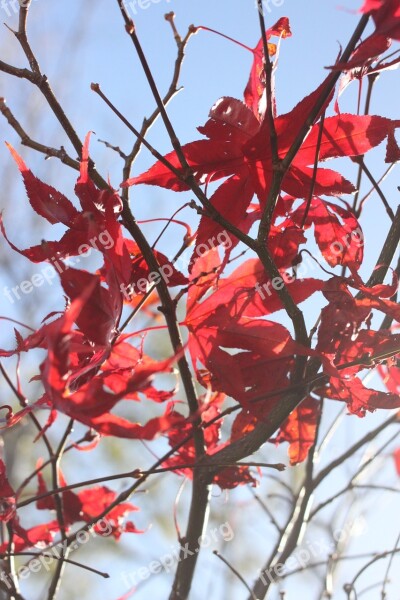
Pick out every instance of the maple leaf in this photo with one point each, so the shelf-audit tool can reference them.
(142, 277)
(396, 457)
(354, 354)
(238, 351)
(72, 358)
(236, 140)
(100, 314)
(95, 227)
(72, 506)
(91, 402)
(7, 496)
(96, 500)
(386, 14)
(299, 430)
(227, 335)
(364, 60)
(203, 277)
(351, 348)
(255, 88)
(342, 318)
(68, 372)
(367, 52)
(337, 232)
(248, 291)
(228, 478)
(36, 536)
(390, 374)
(73, 388)
(87, 505)
(35, 340)
(359, 398)
(238, 147)
(120, 366)
(61, 368)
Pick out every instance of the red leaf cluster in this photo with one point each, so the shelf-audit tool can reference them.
(239, 349)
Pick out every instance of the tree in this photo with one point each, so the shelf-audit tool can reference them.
(246, 366)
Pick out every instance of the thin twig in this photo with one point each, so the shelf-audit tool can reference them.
(236, 573)
(26, 140)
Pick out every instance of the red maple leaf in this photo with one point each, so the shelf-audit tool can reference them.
(255, 88)
(96, 226)
(87, 505)
(238, 147)
(337, 232)
(7, 496)
(228, 478)
(396, 456)
(299, 430)
(36, 536)
(386, 14)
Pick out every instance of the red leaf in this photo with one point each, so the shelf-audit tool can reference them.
(231, 200)
(300, 429)
(96, 227)
(225, 153)
(35, 340)
(396, 456)
(244, 423)
(109, 424)
(386, 14)
(91, 403)
(37, 536)
(100, 315)
(342, 319)
(230, 120)
(7, 496)
(208, 159)
(96, 500)
(87, 505)
(238, 350)
(345, 135)
(256, 84)
(228, 478)
(203, 275)
(118, 369)
(390, 374)
(337, 232)
(45, 200)
(365, 53)
(142, 278)
(249, 292)
(360, 399)
(72, 506)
